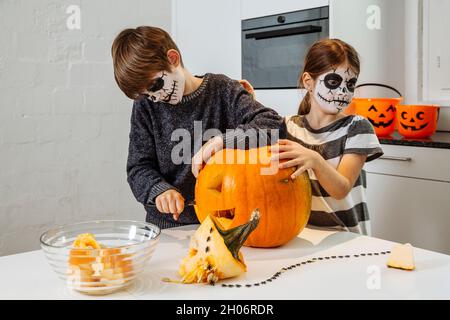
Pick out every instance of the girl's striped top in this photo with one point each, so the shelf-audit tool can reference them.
(351, 134)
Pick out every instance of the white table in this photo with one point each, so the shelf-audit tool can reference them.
(28, 275)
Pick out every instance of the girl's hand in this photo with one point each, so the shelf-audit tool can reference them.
(297, 155)
(205, 153)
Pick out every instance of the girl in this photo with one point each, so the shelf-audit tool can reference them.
(330, 146)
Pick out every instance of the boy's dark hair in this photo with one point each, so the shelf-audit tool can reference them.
(138, 54)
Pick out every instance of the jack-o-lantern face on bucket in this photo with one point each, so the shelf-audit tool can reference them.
(420, 116)
(381, 118)
(235, 182)
(415, 121)
(380, 112)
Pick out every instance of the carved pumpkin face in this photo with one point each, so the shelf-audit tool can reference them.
(415, 121)
(380, 112)
(231, 190)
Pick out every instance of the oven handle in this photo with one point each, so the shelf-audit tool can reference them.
(284, 32)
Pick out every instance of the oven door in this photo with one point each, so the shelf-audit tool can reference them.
(272, 55)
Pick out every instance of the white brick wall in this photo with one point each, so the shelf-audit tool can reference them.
(63, 121)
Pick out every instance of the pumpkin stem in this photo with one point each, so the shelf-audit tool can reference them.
(235, 238)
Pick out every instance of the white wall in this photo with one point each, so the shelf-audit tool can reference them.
(63, 122)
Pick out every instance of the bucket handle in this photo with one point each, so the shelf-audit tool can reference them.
(379, 85)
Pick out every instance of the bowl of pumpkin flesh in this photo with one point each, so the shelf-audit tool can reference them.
(100, 257)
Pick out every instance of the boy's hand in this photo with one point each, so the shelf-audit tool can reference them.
(247, 86)
(297, 155)
(205, 153)
(170, 201)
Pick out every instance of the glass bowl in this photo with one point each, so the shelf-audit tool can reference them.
(126, 248)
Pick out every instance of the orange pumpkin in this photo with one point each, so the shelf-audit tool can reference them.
(417, 121)
(235, 182)
(380, 112)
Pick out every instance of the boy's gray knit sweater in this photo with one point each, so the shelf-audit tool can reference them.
(219, 103)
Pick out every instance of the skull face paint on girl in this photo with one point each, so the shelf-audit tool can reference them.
(334, 89)
(167, 87)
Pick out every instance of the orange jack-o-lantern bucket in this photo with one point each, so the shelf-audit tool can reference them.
(417, 121)
(379, 111)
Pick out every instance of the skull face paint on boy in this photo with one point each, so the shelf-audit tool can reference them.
(167, 87)
(334, 89)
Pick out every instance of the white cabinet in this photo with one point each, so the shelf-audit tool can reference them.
(436, 51)
(416, 162)
(375, 28)
(407, 203)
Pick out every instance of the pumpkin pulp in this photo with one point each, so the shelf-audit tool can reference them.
(214, 251)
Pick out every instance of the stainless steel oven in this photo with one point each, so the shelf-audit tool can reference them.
(273, 47)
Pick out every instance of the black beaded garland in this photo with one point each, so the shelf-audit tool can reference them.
(284, 269)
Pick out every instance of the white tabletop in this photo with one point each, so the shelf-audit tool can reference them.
(29, 276)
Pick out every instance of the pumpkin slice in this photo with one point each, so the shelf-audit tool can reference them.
(93, 265)
(401, 257)
(81, 256)
(214, 251)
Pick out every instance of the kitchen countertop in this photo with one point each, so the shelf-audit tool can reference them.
(29, 276)
(440, 139)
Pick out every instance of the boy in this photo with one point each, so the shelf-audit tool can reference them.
(167, 98)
